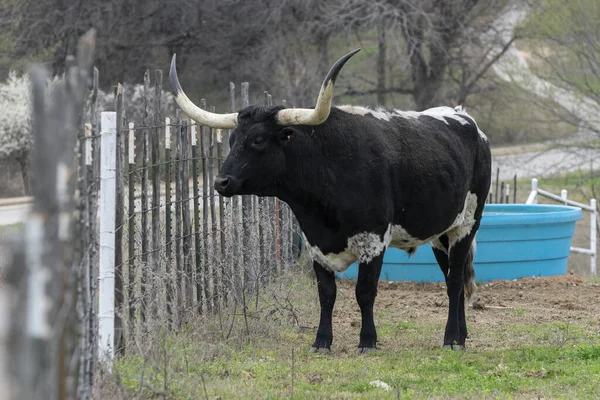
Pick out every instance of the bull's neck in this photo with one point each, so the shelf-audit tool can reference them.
(308, 192)
(317, 220)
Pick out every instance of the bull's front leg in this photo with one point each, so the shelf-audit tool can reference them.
(366, 291)
(327, 293)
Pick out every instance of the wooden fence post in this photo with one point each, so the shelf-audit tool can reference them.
(85, 386)
(216, 276)
(204, 273)
(168, 223)
(119, 341)
(185, 214)
(106, 312)
(273, 211)
(246, 209)
(263, 225)
(178, 235)
(87, 279)
(222, 225)
(131, 227)
(40, 255)
(159, 273)
(94, 181)
(497, 183)
(145, 240)
(197, 227)
(236, 245)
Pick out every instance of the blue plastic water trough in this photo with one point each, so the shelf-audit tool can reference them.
(513, 241)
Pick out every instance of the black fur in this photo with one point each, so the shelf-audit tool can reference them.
(356, 173)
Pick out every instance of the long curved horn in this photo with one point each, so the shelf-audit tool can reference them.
(318, 115)
(222, 121)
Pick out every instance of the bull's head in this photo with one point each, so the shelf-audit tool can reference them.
(259, 136)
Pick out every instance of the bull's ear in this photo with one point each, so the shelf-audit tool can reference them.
(285, 135)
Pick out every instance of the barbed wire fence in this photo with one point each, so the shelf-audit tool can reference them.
(181, 248)
(122, 243)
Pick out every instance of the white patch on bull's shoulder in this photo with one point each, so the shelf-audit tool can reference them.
(457, 113)
(362, 247)
(439, 113)
(379, 113)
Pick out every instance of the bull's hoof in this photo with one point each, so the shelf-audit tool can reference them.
(364, 350)
(320, 350)
(455, 347)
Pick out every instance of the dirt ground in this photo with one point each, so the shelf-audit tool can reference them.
(569, 306)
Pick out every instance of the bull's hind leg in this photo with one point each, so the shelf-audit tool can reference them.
(327, 294)
(440, 250)
(366, 291)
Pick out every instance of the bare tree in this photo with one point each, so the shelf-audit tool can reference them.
(566, 56)
(427, 50)
(439, 50)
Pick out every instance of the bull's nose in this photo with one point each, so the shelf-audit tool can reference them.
(221, 183)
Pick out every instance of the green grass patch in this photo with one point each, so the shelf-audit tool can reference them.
(260, 373)
(273, 369)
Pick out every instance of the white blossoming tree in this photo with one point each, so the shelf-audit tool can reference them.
(15, 122)
(15, 115)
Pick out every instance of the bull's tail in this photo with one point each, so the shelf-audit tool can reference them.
(469, 275)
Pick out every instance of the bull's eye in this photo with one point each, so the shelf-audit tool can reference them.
(258, 141)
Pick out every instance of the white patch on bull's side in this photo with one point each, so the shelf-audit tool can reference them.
(464, 222)
(364, 247)
(401, 239)
(460, 228)
(367, 246)
(437, 244)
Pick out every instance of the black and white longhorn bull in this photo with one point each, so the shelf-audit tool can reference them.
(360, 180)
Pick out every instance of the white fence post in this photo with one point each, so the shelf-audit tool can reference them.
(532, 199)
(106, 276)
(592, 251)
(131, 143)
(593, 219)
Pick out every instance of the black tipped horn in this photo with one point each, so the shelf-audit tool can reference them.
(318, 115)
(337, 67)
